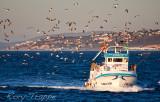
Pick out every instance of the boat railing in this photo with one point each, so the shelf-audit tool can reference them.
(117, 49)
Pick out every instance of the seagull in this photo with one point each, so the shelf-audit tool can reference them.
(1, 21)
(126, 24)
(89, 21)
(86, 26)
(38, 31)
(75, 3)
(65, 59)
(4, 26)
(52, 29)
(53, 19)
(101, 27)
(9, 23)
(126, 10)
(73, 22)
(50, 9)
(156, 23)
(115, 5)
(95, 16)
(70, 23)
(66, 9)
(136, 16)
(7, 20)
(57, 56)
(50, 19)
(6, 40)
(114, 27)
(58, 21)
(44, 32)
(73, 61)
(105, 20)
(129, 23)
(72, 29)
(7, 9)
(51, 54)
(56, 27)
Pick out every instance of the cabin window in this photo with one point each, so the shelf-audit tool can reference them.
(109, 59)
(117, 59)
(125, 60)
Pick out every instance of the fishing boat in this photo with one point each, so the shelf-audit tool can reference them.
(114, 72)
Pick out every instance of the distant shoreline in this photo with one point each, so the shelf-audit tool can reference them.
(68, 50)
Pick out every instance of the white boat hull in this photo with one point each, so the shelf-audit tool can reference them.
(114, 73)
(105, 82)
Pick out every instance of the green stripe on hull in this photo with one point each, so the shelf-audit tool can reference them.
(117, 74)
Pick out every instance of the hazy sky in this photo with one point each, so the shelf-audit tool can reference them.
(29, 15)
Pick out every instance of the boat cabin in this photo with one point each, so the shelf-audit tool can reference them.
(116, 58)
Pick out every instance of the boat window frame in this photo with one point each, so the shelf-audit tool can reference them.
(111, 59)
(118, 61)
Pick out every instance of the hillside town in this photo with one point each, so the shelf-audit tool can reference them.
(137, 40)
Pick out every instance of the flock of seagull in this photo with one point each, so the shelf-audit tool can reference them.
(57, 55)
(6, 26)
(7, 30)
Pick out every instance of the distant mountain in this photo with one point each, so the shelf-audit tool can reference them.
(71, 34)
(81, 40)
(146, 40)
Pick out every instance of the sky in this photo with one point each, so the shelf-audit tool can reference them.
(28, 16)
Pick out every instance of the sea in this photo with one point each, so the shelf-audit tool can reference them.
(46, 76)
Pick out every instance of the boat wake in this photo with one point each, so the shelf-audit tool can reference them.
(134, 88)
(128, 89)
(60, 87)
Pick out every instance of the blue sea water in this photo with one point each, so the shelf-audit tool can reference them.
(59, 77)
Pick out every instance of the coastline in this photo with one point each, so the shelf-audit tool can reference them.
(73, 50)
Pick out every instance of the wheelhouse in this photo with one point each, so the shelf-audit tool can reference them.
(116, 58)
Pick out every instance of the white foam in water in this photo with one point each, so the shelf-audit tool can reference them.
(67, 87)
(57, 56)
(3, 86)
(128, 89)
(60, 87)
(134, 88)
(148, 89)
